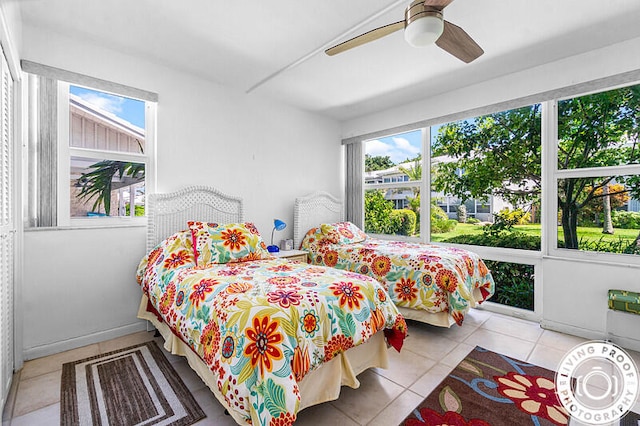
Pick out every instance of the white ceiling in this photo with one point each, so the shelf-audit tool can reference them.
(275, 48)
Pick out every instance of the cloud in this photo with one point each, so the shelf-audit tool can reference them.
(398, 149)
(106, 102)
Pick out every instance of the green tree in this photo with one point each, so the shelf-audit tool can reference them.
(499, 154)
(594, 131)
(377, 162)
(490, 150)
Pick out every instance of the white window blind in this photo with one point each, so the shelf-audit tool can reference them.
(7, 229)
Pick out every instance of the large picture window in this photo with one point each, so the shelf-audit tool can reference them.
(558, 178)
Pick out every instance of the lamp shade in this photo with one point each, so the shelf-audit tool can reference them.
(278, 225)
(424, 30)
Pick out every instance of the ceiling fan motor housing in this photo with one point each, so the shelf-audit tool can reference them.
(423, 25)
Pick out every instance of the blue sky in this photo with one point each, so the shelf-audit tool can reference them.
(128, 109)
(399, 147)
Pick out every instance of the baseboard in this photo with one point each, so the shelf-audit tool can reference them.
(626, 343)
(622, 341)
(509, 311)
(77, 342)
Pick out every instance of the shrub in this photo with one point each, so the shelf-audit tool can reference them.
(442, 226)
(514, 284)
(473, 220)
(515, 217)
(625, 220)
(440, 222)
(403, 222)
(517, 239)
(376, 212)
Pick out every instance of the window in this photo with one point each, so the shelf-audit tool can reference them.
(598, 175)
(393, 181)
(486, 176)
(106, 152)
(90, 155)
(487, 171)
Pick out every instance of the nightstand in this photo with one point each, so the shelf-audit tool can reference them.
(293, 255)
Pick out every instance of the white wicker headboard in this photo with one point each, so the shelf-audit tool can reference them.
(313, 210)
(169, 213)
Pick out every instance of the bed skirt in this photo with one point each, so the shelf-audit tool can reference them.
(439, 319)
(318, 386)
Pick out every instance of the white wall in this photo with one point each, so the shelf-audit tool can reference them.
(79, 287)
(574, 293)
(263, 151)
(575, 299)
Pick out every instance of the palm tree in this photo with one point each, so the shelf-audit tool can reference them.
(98, 183)
(415, 173)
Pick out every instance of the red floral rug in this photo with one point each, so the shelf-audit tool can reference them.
(488, 388)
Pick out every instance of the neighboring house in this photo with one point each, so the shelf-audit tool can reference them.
(94, 128)
(479, 209)
(392, 175)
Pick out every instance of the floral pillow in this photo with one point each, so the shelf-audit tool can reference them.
(343, 232)
(174, 252)
(316, 236)
(232, 242)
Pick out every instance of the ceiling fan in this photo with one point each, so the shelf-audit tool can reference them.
(423, 25)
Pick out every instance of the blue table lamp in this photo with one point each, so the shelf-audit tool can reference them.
(278, 225)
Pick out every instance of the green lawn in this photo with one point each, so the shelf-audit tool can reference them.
(585, 233)
(460, 229)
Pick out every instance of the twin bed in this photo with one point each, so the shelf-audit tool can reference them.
(432, 284)
(268, 337)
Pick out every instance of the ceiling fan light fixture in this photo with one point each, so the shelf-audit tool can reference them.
(424, 30)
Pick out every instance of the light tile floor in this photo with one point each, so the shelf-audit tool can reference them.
(385, 397)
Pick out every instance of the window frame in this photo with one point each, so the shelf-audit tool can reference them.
(554, 174)
(65, 152)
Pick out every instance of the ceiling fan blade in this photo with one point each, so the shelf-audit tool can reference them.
(365, 38)
(457, 42)
(439, 4)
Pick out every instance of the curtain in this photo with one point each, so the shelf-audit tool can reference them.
(354, 195)
(43, 182)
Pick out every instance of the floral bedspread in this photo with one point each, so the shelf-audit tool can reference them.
(261, 326)
(417, 276)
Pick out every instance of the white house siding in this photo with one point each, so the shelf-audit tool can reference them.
(93, 130)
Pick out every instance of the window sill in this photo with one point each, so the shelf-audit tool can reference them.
(95, 223)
